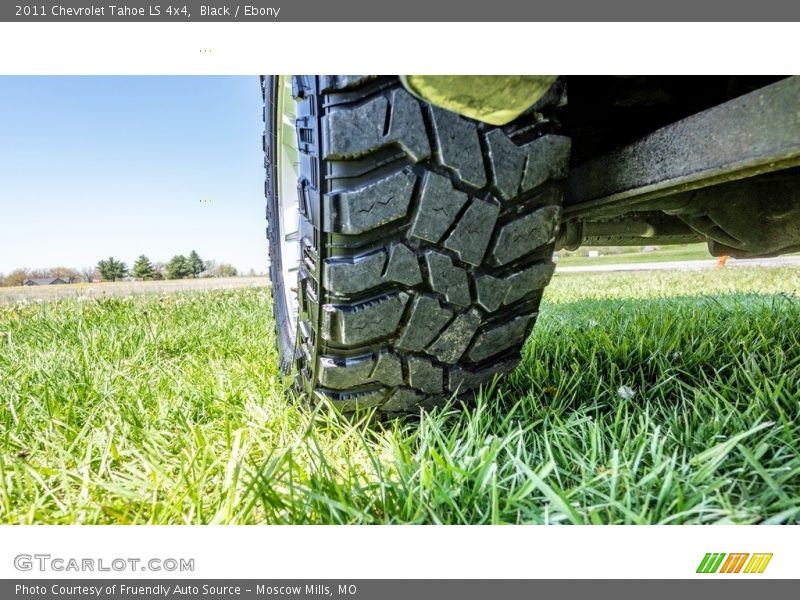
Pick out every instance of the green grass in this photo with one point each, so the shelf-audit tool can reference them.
(170, 410)
(665, 254)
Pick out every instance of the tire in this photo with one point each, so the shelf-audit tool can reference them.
(426, 242)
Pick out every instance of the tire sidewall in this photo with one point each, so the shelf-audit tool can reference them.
(286, 337)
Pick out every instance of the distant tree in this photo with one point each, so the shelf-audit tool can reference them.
(67, 273)
(178, 267)
(226, 270)
(112, 269)
(17, 277)
(2, 280)
(215, 269)
(196, 266)
(89, 274)
(143, 268)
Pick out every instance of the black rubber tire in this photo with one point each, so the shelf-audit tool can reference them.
(427, 242)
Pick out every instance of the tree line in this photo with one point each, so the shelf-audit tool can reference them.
(143, 269)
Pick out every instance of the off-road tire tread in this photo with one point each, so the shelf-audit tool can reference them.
(433, 242)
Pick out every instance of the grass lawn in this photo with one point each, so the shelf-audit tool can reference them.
(654, 397)
(664, 254)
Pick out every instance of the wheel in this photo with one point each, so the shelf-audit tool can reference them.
(409, 246)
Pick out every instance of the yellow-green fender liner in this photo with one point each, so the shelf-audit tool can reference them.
(493, 99)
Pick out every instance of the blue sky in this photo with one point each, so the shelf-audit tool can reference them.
(123, 166)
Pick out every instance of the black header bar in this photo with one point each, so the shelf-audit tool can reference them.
(404, 11)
